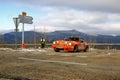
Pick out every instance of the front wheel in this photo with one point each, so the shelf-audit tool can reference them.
(76, 48)
(57, 50)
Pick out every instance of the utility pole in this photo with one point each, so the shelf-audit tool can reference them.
(34, 37)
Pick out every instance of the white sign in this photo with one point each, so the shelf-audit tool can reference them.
(26, 19)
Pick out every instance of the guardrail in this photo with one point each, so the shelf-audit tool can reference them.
(105, 45)
(91, 45)
(26, 45)
(109, 44)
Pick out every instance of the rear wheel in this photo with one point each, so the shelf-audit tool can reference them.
(86, 49)
(76, 48)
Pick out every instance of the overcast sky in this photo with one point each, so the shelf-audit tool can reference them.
(88, 16)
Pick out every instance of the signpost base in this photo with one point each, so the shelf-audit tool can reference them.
(23, 45)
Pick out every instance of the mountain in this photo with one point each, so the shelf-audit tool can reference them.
(56, 35)
(5, 31)
(62, 34)
(28, 37)
(1, 39)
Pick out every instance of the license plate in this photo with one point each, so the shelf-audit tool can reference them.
(59, 47)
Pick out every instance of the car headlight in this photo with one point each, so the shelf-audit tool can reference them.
(54, 42)
(69, 44)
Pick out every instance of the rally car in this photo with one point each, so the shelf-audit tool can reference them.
(72, 43)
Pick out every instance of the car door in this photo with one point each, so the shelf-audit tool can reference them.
(82, 46)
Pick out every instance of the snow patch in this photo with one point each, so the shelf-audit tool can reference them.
(92, 49)
(4, 49)
(23, 50)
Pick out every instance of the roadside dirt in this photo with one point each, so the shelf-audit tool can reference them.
(45, 64)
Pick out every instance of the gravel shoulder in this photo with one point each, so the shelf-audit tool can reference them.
(45, 64)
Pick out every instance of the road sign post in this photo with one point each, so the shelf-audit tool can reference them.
(16, 21)
(23, 44)
(24, 19)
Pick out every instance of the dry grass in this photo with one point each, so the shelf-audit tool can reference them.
(102, 65)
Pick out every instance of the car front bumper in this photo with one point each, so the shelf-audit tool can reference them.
(65, 48)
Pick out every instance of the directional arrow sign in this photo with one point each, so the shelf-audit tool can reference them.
(26, 19)
(16, 21)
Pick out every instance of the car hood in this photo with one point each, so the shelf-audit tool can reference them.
(64, 41)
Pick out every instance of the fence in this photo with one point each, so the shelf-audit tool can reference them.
(91, 45)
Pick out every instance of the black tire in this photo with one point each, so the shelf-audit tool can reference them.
(57, 50)
(86, 49)
(76, 48)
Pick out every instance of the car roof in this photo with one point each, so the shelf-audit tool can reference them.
(75, 36)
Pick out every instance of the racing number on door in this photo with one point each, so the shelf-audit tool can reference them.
(82, 44)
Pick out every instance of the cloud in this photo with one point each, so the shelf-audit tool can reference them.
(88, 22)
(94, 5)
(89, 16)
(88, 5)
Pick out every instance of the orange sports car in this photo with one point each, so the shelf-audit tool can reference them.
(72, 43)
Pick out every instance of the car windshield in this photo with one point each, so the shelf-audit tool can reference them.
(71, 39)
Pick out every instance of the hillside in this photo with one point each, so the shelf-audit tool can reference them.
(51, 36)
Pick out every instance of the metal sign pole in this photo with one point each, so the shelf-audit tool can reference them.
(24, 19)
(16, 34)
(23, 45)
(16, 21)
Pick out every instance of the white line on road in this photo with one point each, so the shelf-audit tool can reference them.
(50, 61)
(82, 56)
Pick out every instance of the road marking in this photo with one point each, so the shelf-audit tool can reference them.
(82, 56)
(50, 61)
(108, 54)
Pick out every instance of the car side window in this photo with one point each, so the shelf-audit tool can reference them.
(77, 39)
(81, 40)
